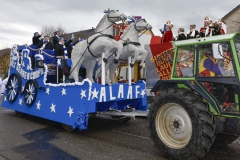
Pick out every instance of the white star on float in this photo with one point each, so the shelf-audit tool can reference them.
(5, 99)
(95, 93)
(142, 92)
(25, 55)
(83, 94)
(53, 108)
(70, 111)
(59, 62)
(48, 91)
(20, 101)
(38, 105)
(23, 64)
(64, 91)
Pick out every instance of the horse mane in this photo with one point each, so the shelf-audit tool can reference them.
(100, 23)
(125, 33)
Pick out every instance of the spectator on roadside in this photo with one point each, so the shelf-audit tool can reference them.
(56, 38)
(36, 38)
(193, 33)
(181, 35)
(45, 44)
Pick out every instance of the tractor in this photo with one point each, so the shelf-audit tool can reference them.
(199, 104)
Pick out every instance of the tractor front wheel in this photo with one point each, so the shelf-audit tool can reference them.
(181, 125)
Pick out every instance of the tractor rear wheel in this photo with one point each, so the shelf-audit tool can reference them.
(181, 125)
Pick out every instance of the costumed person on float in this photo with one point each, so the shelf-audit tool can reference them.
(220, 26)
(216, 30)
(206, 31)
(167, 35)
(56, 38)
(192, 33)
(36, 38)
(181, 35)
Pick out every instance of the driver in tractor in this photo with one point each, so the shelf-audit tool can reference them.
(209, 68)
(208, 65)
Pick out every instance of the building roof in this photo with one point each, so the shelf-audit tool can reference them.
(232, 11)
(83, 34)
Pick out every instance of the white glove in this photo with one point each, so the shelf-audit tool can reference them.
(72, 37)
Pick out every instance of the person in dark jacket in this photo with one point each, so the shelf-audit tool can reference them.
(71, 46)
(36, 38)
(216, 30)
(193, 33)
(56, 38)
(181, 35)
(45, 44)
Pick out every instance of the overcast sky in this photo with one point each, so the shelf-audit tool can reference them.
(19, 19)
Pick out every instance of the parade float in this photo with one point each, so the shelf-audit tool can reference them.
(189, 110)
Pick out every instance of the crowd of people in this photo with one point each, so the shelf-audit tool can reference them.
(60, 46)
(210, 28)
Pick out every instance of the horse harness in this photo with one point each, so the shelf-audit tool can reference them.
(95, 38)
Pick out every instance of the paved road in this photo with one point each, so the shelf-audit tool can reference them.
(25, 138)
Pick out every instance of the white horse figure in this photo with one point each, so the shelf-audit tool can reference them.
(88, 51)
(131, 47)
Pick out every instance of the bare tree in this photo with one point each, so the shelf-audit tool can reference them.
(61, 30)
(5, 62)
(50, 29)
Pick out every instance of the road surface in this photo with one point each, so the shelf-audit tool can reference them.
(28, 137)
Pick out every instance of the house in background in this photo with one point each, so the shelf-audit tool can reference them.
(232, 20)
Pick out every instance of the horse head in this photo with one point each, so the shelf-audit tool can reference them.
(115, 16)
(141, 25)
(109, 19)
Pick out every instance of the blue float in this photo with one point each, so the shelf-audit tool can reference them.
(28, 91)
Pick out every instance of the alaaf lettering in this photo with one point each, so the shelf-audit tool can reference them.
(122, 92)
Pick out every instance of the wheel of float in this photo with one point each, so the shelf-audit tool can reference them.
(30, 92)
(181, 124)
(67, 128)
(14, 85)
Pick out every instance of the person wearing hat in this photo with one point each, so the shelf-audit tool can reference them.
(36, 38)
(216, 30)
(55, 38)
(208, 66)
(206, 31)
(181, 35)
(219, 22)
(45, 44)
(192, 33)
(168, 35)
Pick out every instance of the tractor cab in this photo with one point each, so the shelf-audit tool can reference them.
(213, 63)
